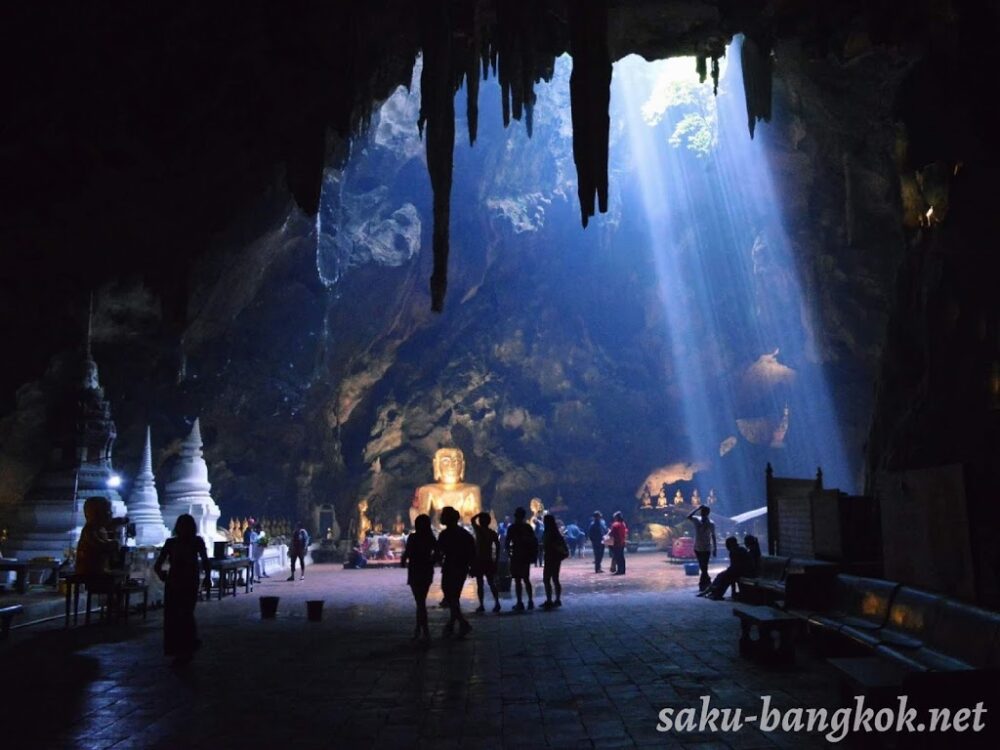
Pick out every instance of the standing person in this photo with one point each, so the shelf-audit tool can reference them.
(619, 537)
(539, 533)
(418, 559)
(259, 550)
(251, 537)
(704, 542)
(595, 533)
(298, 549)
(457, 550)
(183, 550)
(556, 551)
(574, 538)
(487, 558)
(522, 549)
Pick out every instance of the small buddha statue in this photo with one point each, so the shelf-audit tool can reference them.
(678, 498)
(661, 497)
(695, 498)
(711, 497)
(449, 488)
(397, 527)
(537, 508)
(647, 498)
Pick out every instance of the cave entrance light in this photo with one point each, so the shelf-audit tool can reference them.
(740, 325)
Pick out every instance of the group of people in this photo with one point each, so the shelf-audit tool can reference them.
(522, 543)
(461, 554)
(744, 560)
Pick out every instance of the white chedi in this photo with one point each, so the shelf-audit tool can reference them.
(188, 489)
(144, 503)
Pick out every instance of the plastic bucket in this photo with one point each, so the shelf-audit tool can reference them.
(691, 568)
(314, 610)
(269, 607)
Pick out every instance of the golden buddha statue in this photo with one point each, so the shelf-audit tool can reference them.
(364, 523)
(695, 498)
(678, 498)
(449, 488)
(661, 498)
(711, 497)
(647, 498)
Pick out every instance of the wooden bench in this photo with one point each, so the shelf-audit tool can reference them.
(7, 614)
(768, 585)
(776, 633)
(858, 608)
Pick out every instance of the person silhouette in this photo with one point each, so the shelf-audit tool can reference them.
(183, 550)
(457, 551)
(418, 559)
(522, 549)
(487, 555)
(595, 533)
(555, 552)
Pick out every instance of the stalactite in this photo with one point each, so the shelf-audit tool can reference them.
(755, 57)
(590, 95)
(437, 123)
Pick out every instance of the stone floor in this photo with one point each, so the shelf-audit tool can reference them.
(594, 673)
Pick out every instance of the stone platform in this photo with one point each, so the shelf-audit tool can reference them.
(594, 673)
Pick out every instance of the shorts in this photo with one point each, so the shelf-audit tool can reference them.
(485, 568)
(520, 568)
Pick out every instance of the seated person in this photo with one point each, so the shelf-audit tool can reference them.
(740, 564)
(356, 559)
(753, 547)
(97, 552)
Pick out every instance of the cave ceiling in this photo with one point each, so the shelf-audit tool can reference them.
(144, 138)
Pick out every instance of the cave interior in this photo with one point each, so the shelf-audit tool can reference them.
(346, 234)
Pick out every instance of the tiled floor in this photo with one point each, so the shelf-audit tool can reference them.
(594, 673)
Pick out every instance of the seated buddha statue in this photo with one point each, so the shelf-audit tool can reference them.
(449, 488)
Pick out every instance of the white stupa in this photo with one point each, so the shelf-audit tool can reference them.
(188, 490)
(144, 503)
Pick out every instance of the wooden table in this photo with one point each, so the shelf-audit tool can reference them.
(777, 629)
(108, 584)
(24, 568)
(228, 570)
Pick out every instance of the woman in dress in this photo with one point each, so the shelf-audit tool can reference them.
(183, 552)
(418, 559)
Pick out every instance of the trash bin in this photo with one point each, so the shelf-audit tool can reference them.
(268, 607)
(314, 610)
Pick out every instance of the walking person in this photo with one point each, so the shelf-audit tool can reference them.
(522, 549)
(619, 537)
(556, 551)
(457, 550)
(487, 559)
(298, 549)
(183, 551)
(704, 542)
(418, 559)
(595, 533)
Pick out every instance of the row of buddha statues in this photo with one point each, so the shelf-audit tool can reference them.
(278, 527)
(646, 499)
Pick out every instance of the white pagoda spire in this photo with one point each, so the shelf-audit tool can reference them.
(189, 491)
(144, 503)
